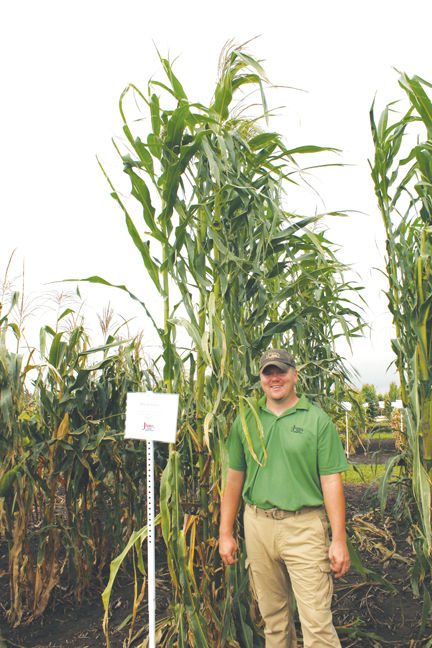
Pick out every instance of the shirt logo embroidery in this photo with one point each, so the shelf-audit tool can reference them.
(297, 430)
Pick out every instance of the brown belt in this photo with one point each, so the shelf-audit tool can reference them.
(280, 514)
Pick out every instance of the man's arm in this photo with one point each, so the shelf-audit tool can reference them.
(334, 501)
(230, 505)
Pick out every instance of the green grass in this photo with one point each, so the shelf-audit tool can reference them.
(379, 435)
(366, 473)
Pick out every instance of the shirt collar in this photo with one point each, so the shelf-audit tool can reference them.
(302, 404)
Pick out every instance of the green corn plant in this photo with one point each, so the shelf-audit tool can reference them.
(403, 184)
(238, 273)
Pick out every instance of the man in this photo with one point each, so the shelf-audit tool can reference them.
(295, 471)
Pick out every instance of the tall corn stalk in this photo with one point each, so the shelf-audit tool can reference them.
(403, 185)
(243, 274)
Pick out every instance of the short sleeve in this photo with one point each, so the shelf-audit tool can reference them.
(331, 455)
(237, 460)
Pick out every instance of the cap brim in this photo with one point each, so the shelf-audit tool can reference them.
(275, 363)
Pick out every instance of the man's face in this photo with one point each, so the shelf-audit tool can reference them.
(278, 385)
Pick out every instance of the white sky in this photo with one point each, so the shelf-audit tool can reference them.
(65, 64)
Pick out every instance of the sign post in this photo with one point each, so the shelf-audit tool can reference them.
(347, 407)
(151, 561)
(151, 417)
(365, 406)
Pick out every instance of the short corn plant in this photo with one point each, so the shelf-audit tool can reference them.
(70, 492)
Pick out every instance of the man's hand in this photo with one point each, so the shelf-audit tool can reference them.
(227, 549)
(339, 558)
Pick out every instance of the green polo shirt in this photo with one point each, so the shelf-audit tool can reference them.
(301, 444)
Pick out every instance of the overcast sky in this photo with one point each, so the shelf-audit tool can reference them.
(65, 64)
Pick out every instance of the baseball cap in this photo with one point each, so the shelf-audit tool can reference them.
(278, 357)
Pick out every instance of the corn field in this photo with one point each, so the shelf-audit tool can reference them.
(235, 273)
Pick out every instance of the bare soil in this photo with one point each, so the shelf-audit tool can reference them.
(375, 610)
(374, 451)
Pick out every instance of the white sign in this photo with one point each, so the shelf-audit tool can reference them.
(151, 416)
(398, 404)
(346, 405)
(381, 404)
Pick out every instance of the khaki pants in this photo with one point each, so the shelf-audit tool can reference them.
(291, 555)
